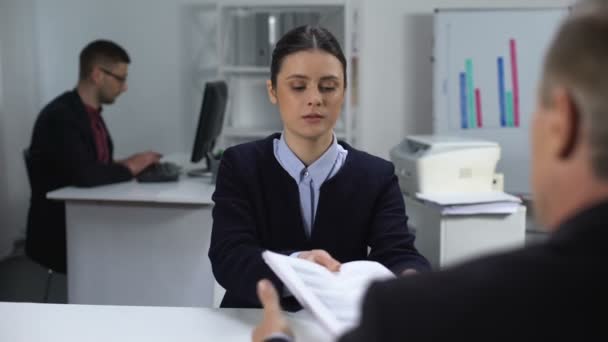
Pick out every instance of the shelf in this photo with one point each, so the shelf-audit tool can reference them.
(245, 36)
(250, 10)
(257, 70)
(204, 73)
(207, 69)
(241, 132)
(341, 135)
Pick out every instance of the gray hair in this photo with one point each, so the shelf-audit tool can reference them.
(578, 60)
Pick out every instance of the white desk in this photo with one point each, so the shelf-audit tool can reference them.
(25, 322)
(139, 244)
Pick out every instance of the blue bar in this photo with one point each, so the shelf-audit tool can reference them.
(464, 118)
(501, 92)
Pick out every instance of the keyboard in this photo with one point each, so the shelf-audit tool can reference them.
(160, 172)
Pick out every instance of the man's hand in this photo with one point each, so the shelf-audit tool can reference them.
(138, 162)
(322, 258)
(273, 321)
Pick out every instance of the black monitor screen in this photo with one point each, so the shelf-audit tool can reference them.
(210, 120)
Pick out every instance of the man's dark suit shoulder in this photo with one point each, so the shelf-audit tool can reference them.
(60, 111)
(518, 294)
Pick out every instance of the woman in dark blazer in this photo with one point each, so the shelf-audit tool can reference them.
(302, 192)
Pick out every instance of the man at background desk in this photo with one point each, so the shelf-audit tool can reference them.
(554, 290)
(71, 145)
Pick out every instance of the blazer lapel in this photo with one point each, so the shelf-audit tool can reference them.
(84, 122)
(110, 143)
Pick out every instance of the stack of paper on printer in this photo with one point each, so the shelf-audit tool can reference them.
(334, 298)
(467, 203)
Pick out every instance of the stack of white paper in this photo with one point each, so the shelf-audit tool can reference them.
(467, 203)
(334, 298)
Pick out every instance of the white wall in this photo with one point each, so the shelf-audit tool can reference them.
(160, 109)
(396, 70)
(149, 114)
(20, 102)
(40, 41)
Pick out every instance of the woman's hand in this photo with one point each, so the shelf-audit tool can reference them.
(322, 258)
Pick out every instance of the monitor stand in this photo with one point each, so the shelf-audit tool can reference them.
(206, 171)
(199, 173)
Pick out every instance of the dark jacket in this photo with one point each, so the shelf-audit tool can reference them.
(62, 153)
(551, 291)
(257, 207)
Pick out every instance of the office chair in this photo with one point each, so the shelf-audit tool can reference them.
(27, 158)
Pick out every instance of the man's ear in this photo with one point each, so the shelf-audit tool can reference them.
(96, 75)
(568, 122)
(272, 93)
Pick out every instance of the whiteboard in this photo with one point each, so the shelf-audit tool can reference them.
(486, 73)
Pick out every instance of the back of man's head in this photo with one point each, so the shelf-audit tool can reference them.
(101, 52)
(578, 61)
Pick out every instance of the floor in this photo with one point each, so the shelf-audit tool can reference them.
(22, 280)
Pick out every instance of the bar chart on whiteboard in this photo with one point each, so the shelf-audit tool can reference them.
(487, 67)
(507, 104)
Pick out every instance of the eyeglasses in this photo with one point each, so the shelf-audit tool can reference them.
(121, 79)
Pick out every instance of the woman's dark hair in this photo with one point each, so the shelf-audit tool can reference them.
(304, 38)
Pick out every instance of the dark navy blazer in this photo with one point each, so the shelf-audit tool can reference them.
(257, 207)
(62, 153)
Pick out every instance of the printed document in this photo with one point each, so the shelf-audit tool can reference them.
(334, 298)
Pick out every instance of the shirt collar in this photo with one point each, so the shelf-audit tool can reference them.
(91, 110)
(322, 167)
(319, 171)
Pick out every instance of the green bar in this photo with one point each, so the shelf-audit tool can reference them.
(471, 94)
(509, 104)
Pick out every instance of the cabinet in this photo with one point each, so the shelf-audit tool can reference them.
(447, 240)
(234, 41)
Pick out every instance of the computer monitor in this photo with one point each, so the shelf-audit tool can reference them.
(210, 122)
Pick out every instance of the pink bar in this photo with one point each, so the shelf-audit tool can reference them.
(478, 106)
(515, 75)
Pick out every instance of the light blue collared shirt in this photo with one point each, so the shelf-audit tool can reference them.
(310, 179)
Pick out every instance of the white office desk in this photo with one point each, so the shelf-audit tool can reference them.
(26, 322)
(139, 244)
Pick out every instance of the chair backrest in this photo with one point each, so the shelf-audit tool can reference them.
(27, 158)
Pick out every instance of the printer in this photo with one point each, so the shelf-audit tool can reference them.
(434, 163)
